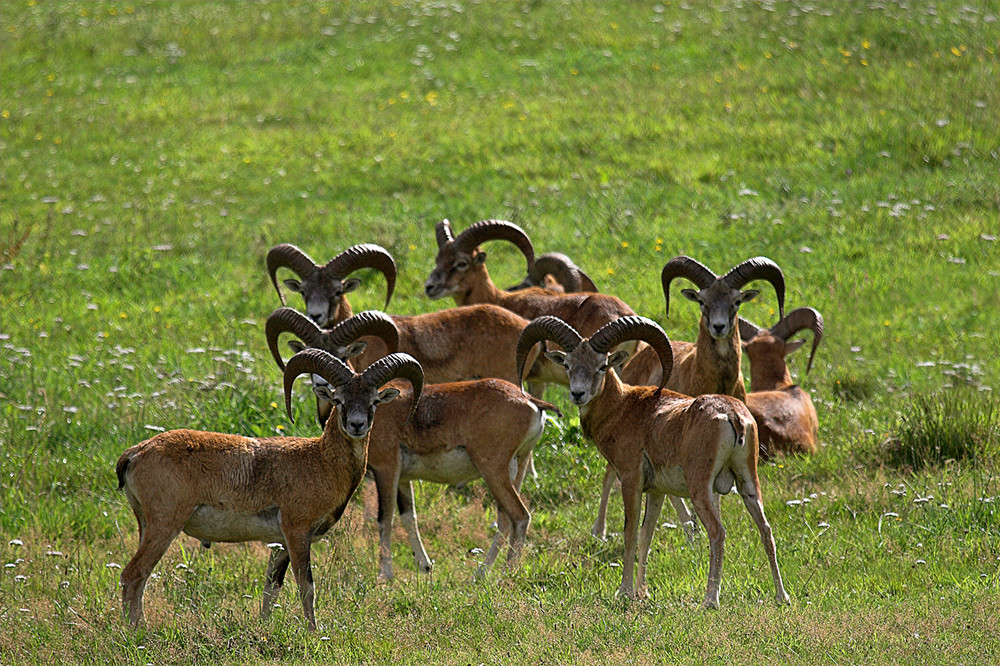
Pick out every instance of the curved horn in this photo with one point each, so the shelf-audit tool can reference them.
(586, 284)
(685, 267)
(634, 327)
(442, 230)
(487, 230)
(747, 329)
(396, 366)
(290, 257)
(317, 362)
(759, 268)
(797, 320)
(542, 328)
(365, 255)
(288, 320)
(370, 322)
(558, 266)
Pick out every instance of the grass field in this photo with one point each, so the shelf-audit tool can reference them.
(153, 152)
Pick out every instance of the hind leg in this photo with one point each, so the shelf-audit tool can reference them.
(512, 518)
(156, 538)
(705, 507)
(750, 493)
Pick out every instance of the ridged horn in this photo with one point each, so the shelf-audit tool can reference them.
(287, 320)
(759, 268)
(365, 255)
(369, 322)
(316, 362)
(797, 320)
(556, 264)
(288, 256)
(685, 267)
(397, 366)
(442, 230)
(487, 230)
(747, 329)
(560, 267)
(542, 328)
(634, 327)
(586, 284)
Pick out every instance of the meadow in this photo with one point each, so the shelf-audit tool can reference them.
(153, 152)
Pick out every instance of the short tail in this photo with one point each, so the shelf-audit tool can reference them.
(546, 406)
(123, 462)
(739, 430)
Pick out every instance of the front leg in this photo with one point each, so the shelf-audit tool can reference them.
(274, 578)
(685, 517)
(537, 389)
(387, 484)
(599, 529)
(299, 542)
(408, 514)
(654, 503)
(632, 503)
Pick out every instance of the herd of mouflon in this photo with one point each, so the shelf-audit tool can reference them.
(441, 397)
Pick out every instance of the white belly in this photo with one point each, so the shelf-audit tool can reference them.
(669, 480)
(211, 524)
(450, 467)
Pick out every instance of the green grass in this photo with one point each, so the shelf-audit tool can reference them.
(949, 427)
(153, 152)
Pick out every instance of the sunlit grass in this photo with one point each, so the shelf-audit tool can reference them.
(952, 426)
(153, 152)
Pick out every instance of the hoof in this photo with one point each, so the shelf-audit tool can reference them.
(625, 593)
